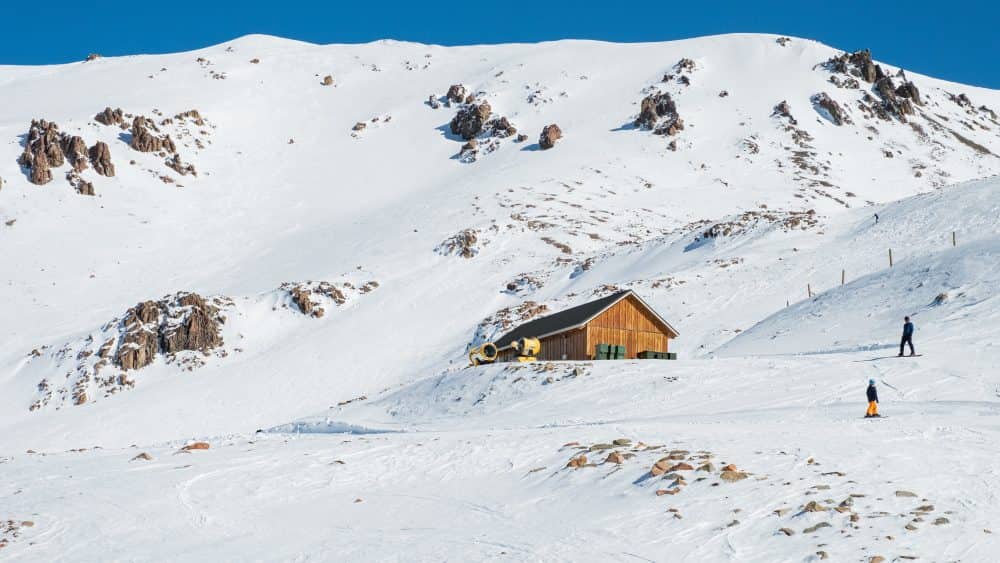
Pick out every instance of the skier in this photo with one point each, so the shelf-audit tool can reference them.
(876, 218)
(872, 400)
(907, 336)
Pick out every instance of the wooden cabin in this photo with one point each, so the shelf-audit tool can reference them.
(620, 319)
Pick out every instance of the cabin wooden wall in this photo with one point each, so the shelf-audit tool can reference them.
(572, 344)
(627, 324)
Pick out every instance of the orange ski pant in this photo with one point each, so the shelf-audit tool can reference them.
(872, 408)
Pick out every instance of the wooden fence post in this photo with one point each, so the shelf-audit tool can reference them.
(890, 257)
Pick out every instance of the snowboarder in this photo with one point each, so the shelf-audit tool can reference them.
(907, 336)
(872, 400)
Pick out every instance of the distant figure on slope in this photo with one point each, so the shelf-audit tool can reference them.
(872, 400)
(907, 336)
(876, 218)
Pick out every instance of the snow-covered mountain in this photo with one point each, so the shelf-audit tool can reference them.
(275, 235)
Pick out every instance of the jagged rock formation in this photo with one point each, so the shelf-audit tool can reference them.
(143, 139)
(836, 113)
(658, 112)
(75, 151)
(469, 120)
(899, 107)
(858, 63)
(466, 244)
(46, 148)
(550, 134)
(100, 159)
(110, 117)
(184, 321)
(456, 94)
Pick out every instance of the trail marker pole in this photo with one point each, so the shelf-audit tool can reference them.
(890, 257)
(953, 242)
(843, 275)
(809, 290)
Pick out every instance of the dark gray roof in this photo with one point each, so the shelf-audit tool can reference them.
(574, 317)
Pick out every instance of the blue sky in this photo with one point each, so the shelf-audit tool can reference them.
(951, 40)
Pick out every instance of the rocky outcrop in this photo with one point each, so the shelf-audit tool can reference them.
(830, 108)
(42, 151)
(177, 323)
(784, 109)
(110, 116)
(100, 159)
(456, 94)
(466, 244)
(75, 151)
(899, 107)
(470, 119)
(312, 297)
(658, 112)
(550, 134)
(909, 91)
(858, 63)
(500, 127)
(144, 140)
(175, 163)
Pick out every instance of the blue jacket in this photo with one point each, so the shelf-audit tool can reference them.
(908, 329)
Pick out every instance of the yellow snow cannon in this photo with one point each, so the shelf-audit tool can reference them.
(527, 349)
(485, 353)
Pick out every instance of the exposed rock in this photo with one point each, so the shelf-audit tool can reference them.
(521, 138)
(900, 107)
(100, 159)
(787, 531)
(783, 41)
(684, 65)
(75, 151)
(173, 324)
(255, 61)
(877, 559)
(577, 462)
(196, 446)
(732, 476)
(42, 151)
(837, 114)
(469, 120)
(174, 162)
(110, 117)
(500, 127)
(93, 57)
(813, 506)
(615, 457)
(327, 80)
(550, 134)
(658, 112)
(681, 467)
(464, 244)
(143, 139)
(909, 90)
(962, 100)
(456, 93)
(812, 529)
(906, 494)
(85, 188)
(142, 457)
(359, 126)
(784, 109)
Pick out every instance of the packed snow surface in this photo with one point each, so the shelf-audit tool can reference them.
(358, 432)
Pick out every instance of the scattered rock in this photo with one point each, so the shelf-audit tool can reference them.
(784, 109)
(877, 559)
(469, 120)
(550, 134)
(196, 446)
(812, 529)
(813, 506)
(456, 94)
(940, 521)
(577, 462)
(907, 494)
(658, 112)
(142, 457)
(615, 457)
(327, 80)
(831, 108)
(787, 531)
(359, 126)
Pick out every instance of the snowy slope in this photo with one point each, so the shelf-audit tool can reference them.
(721, 227)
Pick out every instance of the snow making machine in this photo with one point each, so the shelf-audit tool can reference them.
(485, 353)
(527, 349)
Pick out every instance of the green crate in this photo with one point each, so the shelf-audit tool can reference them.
(619, 352)
(671, 355)
(603, 352)
(648, 355)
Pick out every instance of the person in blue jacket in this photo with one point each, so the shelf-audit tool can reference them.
(907, 336)
(872, 400)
